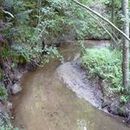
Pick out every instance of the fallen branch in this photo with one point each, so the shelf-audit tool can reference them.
(7, 12)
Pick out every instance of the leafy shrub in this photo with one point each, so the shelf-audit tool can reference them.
(51, 53)
(3, 92)
(105, 64)
(1, 74)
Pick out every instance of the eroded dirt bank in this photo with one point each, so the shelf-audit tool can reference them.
(74, 77)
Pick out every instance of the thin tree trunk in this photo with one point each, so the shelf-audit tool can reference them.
(112, 20)
(125, 67)
(113, 12)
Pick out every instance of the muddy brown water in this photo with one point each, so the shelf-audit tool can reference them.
(47, 104)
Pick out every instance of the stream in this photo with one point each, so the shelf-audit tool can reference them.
(47, 104)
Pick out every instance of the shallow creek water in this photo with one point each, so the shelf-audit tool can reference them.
(47, 104)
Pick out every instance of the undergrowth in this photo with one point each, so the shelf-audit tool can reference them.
(8, 128)
(3, 93)
(105, 64)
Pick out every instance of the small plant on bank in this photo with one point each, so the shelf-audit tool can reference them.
(124, 99)
(51, 53)
(3, 93)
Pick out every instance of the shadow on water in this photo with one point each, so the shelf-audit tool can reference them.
(47, 104)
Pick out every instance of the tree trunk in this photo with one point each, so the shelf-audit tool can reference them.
(112, 20)
(125, 67)
(112, 12)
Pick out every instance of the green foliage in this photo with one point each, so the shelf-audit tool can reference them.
(34, 22)
(90, 29)
(105, 64)
(47, 20)
(124, 98)
(117, 3)
(5, 53)
(8, 128)
(52, 53)
(1, 74)
(21, 53)
(5, 121)
(86, 26)
(118, 18)
(3, 92)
